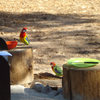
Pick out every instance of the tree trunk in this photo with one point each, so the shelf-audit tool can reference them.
(81, 83)
(21, 65)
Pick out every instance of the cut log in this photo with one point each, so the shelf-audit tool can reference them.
(21, 65)
(81, 83)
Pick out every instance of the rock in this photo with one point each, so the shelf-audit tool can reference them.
(46, 89)
(51, 82)
(38, 87)
(52, 93)
(59, 91)
(59, 97)
(56, 93)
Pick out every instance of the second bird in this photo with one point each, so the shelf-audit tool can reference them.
(56, 69)
(23, 36)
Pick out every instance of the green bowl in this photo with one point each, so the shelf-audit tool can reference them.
(83, 62)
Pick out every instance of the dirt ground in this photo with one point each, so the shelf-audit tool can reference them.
(58, 29)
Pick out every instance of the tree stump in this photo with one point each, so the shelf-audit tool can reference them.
(21, 65)
(81, 83)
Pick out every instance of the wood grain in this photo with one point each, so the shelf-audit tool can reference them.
(21, 66)
(81, 83)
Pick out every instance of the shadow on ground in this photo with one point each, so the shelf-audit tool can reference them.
(40, 19)
(46, 75)
(86, 41)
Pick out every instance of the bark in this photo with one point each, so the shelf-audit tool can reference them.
(21, 65)
(81, 83)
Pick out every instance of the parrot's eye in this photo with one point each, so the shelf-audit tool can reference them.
(24, 30)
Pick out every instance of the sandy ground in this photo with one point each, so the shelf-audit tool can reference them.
(56, 37)
(58, 29)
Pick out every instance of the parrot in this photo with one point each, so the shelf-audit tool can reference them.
(56, 69)
(23, 36)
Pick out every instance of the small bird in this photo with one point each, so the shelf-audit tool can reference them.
(23, 36)
(56, 69)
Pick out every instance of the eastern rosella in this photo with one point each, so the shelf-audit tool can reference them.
(23, 36)
(56, 69)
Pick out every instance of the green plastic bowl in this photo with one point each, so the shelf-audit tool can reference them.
(83, 62)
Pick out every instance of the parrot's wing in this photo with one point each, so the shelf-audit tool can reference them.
(58, 69)
(27, 40)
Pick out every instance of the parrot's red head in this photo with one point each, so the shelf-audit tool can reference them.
(24, 29)
(52, 64)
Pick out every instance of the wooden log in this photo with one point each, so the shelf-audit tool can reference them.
(66, 82)
(81, 83)
(21, 65)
